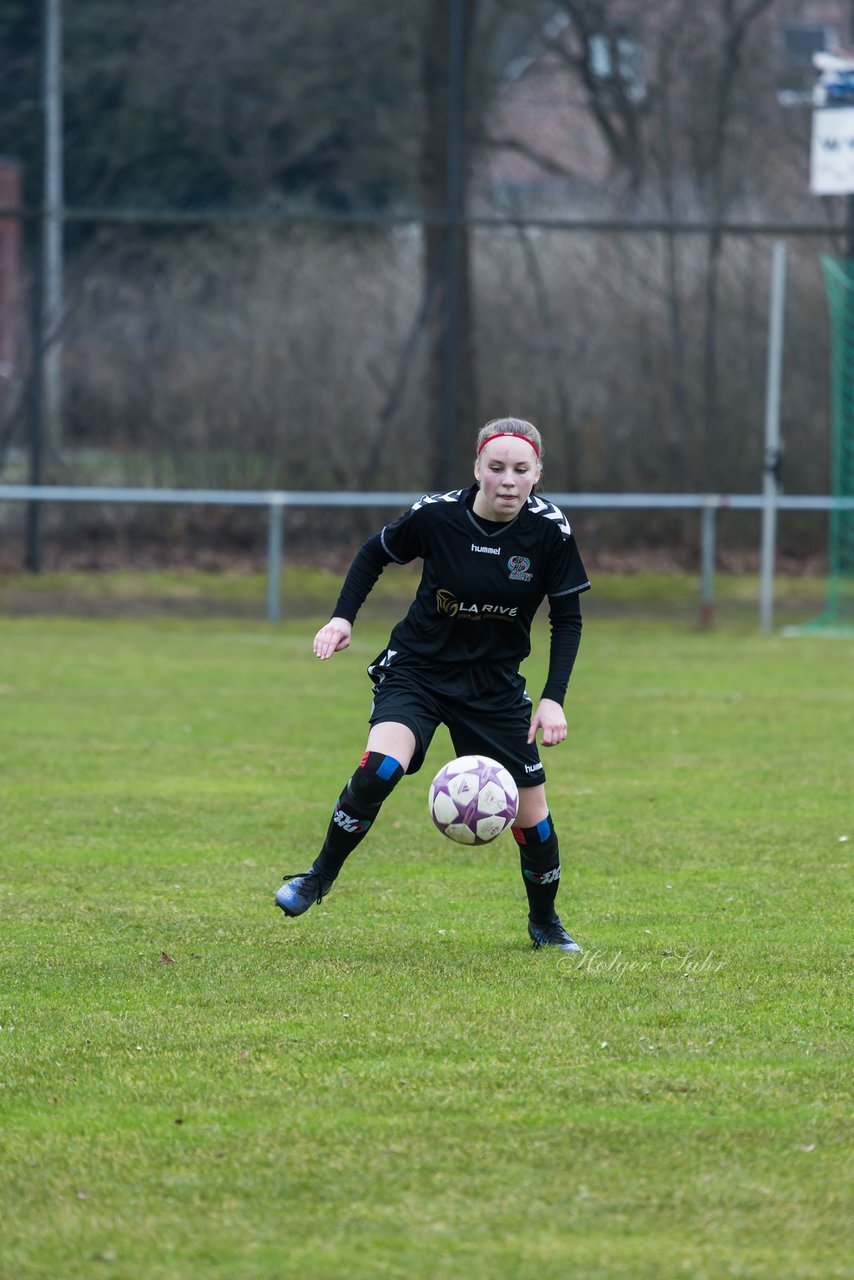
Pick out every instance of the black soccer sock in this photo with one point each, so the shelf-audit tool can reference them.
(356, 808)
(540, 858)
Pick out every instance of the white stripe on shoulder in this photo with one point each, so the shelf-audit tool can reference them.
(386, 547)
(453, 495)
(542, 507)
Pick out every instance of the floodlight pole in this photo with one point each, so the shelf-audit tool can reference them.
(771, 468)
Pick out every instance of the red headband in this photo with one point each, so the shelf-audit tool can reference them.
(498, 436)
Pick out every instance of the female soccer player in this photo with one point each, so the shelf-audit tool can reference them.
(491, 552)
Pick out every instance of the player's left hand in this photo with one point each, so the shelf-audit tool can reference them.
(550, 719)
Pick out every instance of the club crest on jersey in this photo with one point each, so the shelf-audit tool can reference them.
(446, 602)
(520, 569)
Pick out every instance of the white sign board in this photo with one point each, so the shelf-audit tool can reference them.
(832, 154)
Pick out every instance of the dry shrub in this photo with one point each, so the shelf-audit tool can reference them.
(268, 359)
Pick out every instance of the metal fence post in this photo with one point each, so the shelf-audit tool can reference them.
(275, 522)
(707, 563)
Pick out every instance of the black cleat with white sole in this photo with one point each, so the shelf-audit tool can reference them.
(550, 933)
(299, 892)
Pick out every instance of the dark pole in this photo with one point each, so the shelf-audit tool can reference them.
(454, 182)
(37, 379)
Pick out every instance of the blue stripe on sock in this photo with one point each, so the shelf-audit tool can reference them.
(387, 768)
(544, 830)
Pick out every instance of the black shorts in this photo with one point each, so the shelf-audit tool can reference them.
(486, 712)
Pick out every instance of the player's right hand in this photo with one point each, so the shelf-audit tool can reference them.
(332, 638)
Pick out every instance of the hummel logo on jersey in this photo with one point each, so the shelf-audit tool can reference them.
(489, 551)
(356, 826)
(533, 768)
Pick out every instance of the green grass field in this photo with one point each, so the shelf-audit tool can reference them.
(396, 1085)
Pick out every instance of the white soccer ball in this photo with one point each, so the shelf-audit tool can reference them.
(473, 799)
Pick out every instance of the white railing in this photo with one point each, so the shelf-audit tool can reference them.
(277, 501)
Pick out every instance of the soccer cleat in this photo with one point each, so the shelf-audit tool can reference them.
(551, 934)
(302, 891)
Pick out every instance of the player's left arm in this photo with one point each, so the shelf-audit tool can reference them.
(549, 717)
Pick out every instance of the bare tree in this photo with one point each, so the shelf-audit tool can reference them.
(682, 98)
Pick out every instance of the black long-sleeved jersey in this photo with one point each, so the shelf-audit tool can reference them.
(481, 584)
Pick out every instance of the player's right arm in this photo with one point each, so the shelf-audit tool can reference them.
(368, 563)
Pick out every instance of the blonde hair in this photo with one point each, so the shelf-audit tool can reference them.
(510, 426)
